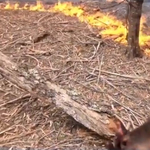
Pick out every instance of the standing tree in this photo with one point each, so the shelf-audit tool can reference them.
(133, 17)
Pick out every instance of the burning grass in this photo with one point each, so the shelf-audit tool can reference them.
(92, 69)
(109, 26)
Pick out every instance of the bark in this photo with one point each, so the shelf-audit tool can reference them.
(134, 15)
(32, 81)
(19, 148)
(82, 147)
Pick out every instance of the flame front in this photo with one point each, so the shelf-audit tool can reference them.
(109, 25)
(38, 7)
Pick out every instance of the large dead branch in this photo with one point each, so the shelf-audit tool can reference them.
(32, 81)
(134, 16)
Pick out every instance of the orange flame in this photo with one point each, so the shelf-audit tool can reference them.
(68, 9)
(38, 7)
(108, 24)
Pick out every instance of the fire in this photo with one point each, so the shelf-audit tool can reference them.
(68, 9)
(38, 7)
(109, 26)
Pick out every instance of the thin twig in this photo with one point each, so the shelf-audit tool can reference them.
(16, 100)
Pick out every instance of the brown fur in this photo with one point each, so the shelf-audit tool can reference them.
(138, 139)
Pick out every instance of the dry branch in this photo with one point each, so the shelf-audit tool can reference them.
(33, 82)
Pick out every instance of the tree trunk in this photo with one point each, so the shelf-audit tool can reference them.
(134, 15)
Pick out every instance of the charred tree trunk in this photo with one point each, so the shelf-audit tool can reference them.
(134, 16)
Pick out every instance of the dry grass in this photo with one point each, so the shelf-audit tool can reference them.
(73, 56)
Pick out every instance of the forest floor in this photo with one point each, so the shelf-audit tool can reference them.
(72, 55)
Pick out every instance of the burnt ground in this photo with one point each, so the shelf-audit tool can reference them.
(73, 56)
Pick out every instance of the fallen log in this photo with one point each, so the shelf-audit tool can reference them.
(20, 148)
(32, 81)
(82, 147)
